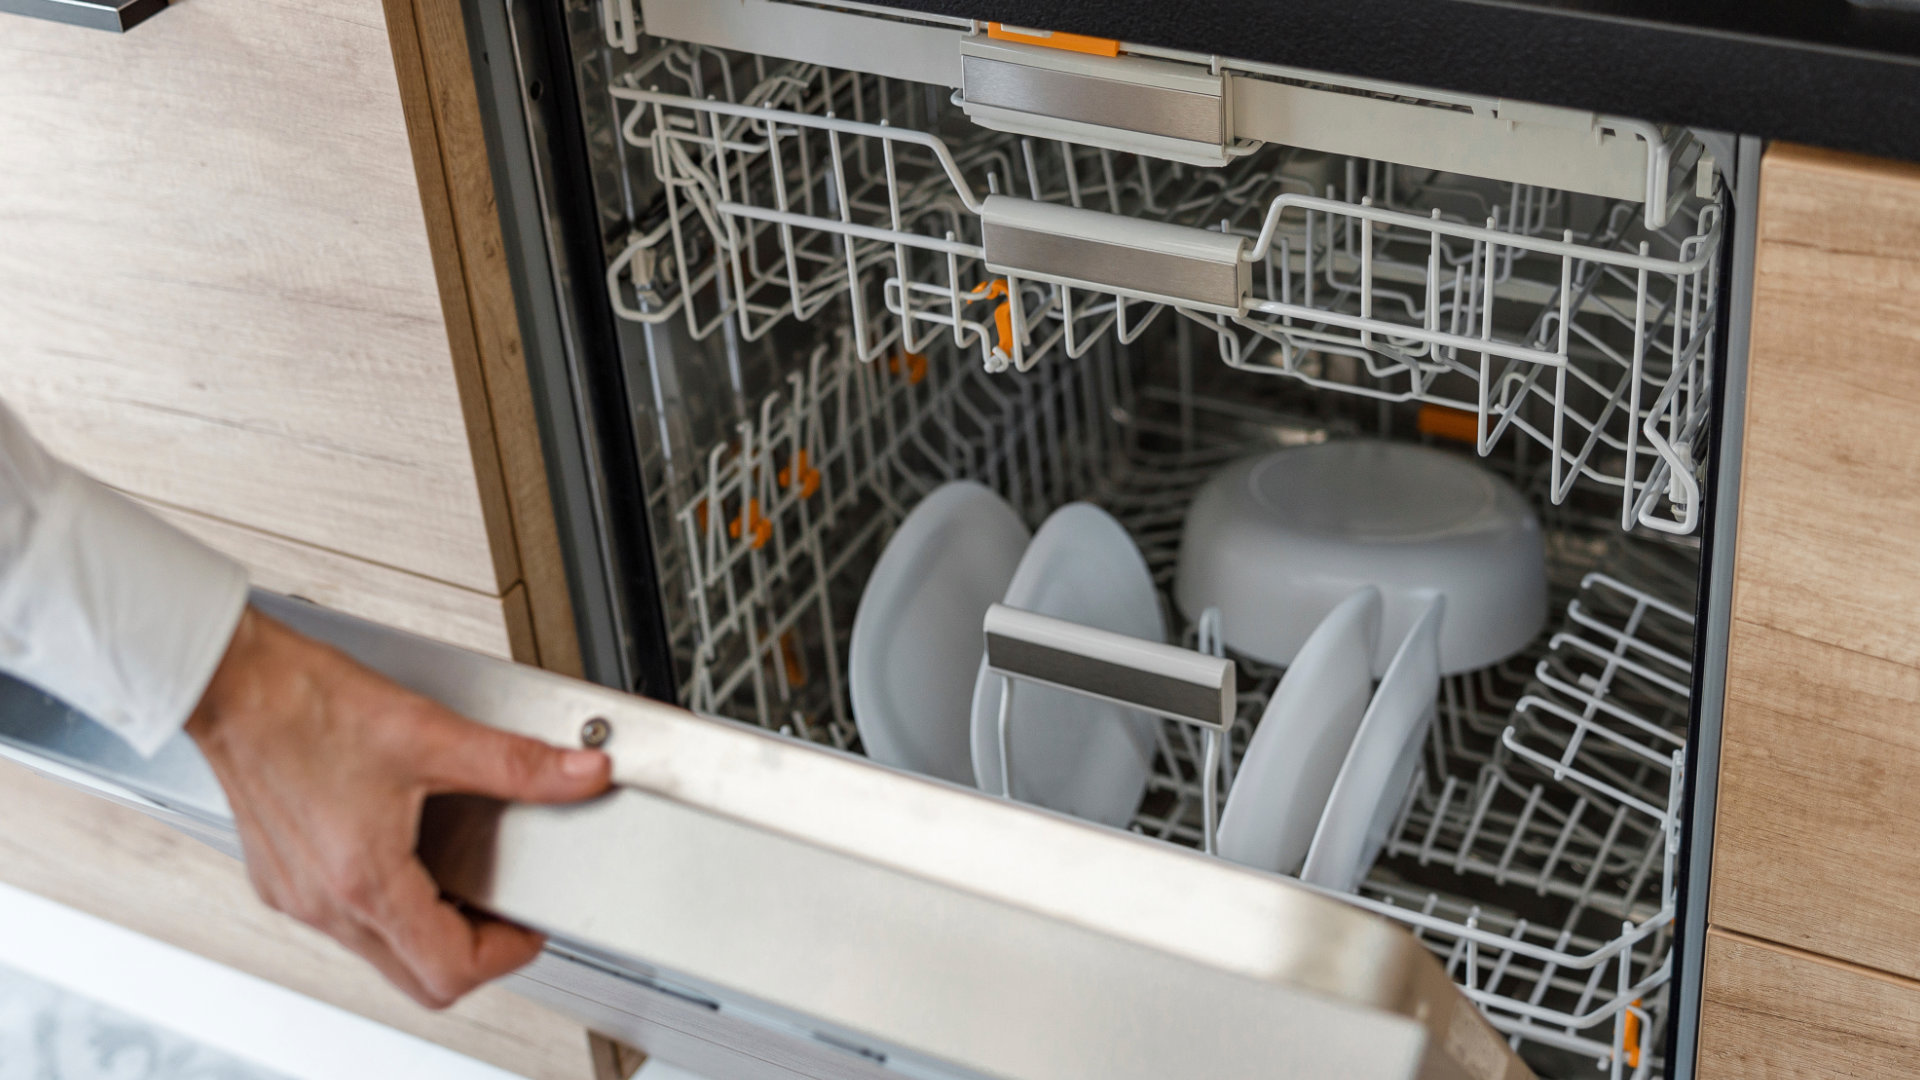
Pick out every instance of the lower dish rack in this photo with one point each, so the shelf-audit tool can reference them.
(1575, 799)
(1535, 852)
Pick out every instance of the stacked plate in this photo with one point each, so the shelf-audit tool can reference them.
(916, 634)
(923, 697)
(1343, 562)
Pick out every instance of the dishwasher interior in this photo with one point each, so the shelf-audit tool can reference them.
(838, 290)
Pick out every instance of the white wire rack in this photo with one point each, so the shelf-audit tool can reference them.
(789, 190)
(1577, 802)
(1610, 710)
(774, 542)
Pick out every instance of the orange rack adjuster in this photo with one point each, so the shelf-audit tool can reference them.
(1053, 39)
(1002, 312)
(756, 525)
(1630, 1034)
(799, 473)
(1443, 422)
(913, 363)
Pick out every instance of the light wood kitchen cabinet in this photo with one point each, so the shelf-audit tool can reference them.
(1816, 829)
(1774, 1013)
(1816, 833)
(228, 295)
(238, 283)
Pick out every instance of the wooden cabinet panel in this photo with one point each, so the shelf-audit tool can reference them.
(217, 286)
(471, 620)
(1830, 469)
(1816, 841)
(442, 107)
(1816, 838)
(149, 878)
(1840, 201)
(1772, 1014)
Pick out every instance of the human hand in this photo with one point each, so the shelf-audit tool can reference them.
(327, 764)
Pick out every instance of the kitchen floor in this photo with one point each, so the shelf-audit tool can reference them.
(84, 999)
(49, 1033)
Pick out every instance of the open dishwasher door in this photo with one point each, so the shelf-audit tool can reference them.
(914, 924)
(758, 906)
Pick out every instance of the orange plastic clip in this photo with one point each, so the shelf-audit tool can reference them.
(754, 522)
(915, 364)
(790, 659)
(1053, 39)
(1002, 315)
(1630, 1034)
(804, 475)
(1445, 423)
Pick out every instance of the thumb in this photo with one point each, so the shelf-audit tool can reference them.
(468, 758)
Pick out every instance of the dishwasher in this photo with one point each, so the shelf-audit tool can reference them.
(786, 267)
(806, 262)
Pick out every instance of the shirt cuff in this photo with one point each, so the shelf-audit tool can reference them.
(118, 613)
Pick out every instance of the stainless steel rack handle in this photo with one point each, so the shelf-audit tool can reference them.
(1165, 680)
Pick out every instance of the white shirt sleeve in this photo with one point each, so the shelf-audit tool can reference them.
(102, 604)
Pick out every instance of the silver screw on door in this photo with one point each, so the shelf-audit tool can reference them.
(595, 733)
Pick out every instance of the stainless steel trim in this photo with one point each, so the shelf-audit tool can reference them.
(1148, 259)
(1164, 679)
(116, 15)
(901, 45)
(691, 1030)
(1524, 150)
(1109, 103)
(41, 732)
(1704, 769)
(545, 295)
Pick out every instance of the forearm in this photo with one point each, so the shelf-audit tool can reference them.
(325, 764)
(102, 604)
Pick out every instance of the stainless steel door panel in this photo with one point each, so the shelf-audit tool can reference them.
(692, 1031)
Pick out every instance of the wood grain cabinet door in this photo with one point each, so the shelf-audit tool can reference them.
(1817, 838)
(235, 285)
(1812, 959)
(218, 288)
(1780, 1014)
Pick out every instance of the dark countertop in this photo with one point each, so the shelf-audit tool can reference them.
(1826, 72)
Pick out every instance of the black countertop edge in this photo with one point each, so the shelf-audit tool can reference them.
(115, 15)
(1825, 72)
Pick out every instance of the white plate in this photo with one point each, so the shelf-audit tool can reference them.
(1283, 781)
(1073, 753)
(916, 636)
(1275, 541)
(1380, 763)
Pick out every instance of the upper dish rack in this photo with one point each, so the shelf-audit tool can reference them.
(787, 189)
(1185, 106)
